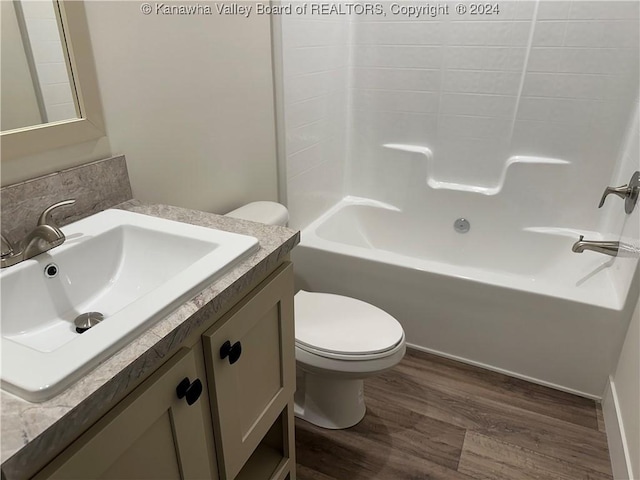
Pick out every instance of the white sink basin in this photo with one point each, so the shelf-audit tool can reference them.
(132, 268)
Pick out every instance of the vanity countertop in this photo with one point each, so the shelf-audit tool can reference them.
(31, 432)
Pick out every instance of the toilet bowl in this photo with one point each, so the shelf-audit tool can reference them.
(340, 341)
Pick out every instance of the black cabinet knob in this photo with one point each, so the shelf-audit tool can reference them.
(189, 390)
(232, 351)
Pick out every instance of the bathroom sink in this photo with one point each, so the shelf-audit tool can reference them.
(131, 268)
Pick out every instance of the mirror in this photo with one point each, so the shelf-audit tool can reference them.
(35, 79)
(48, 83)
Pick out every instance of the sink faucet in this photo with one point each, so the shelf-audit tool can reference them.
(44, 237)
(608, 248)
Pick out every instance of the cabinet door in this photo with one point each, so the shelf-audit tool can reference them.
(151, 434)
(249, 392)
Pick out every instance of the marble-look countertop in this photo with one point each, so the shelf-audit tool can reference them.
(33, 433)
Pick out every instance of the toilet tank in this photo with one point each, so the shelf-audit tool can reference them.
(271, 213)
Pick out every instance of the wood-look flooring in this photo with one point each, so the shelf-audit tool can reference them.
(433, 418)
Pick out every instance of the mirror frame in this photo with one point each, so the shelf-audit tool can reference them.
(90, 125)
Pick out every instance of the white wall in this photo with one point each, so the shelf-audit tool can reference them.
(188, 100)
(315, 68)
(620, 405)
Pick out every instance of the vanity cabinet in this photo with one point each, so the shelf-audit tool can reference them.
(151, 434)
(250, 360)
(220, 408)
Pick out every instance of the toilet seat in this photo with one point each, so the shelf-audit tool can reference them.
(343, 328)
(351, 356)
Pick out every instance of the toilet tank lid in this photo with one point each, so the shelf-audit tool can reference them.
(271, 213)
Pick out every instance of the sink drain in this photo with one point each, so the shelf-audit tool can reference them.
(87, 320)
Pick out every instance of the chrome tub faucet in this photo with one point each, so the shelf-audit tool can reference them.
(608, 248)
(43, 238)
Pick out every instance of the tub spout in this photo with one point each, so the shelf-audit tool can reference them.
(608, 248)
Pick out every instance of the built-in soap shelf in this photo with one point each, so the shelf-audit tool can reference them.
(536, 164)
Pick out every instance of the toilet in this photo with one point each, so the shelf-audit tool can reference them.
(340, 341)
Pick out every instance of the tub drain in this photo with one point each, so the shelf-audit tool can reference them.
(461, 225)
(87, 320)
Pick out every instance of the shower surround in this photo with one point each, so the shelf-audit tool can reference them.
(516, 121)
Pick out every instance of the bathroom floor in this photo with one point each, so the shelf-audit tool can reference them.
(435, 418)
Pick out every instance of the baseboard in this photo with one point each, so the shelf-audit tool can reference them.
(618, 448)
(505, 372)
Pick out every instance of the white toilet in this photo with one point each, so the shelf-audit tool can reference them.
(339, 342)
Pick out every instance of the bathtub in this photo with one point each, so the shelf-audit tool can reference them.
(513, 300)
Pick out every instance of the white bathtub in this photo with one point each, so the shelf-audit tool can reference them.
(515, 300)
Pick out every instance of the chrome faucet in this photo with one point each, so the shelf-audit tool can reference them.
(629, 193)
(608, 248)
(44, 237)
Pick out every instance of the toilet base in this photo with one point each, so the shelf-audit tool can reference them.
(329, 402)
